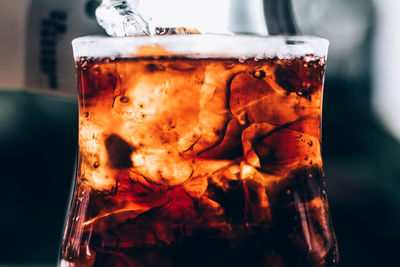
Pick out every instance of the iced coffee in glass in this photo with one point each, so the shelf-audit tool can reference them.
(200, 150)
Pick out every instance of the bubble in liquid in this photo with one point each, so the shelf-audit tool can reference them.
(124, 99)
(259, 74)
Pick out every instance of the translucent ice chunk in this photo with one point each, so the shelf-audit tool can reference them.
(121, 18)
(278, 149)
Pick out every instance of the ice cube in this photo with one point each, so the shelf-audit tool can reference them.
(121, 18)
(277, 149)
(230, 145)
(257, 208)
(226, 189)
(119, 152)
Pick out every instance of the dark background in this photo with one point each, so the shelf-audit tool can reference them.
(38, 139)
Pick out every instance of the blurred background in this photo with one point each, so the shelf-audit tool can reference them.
(361, 125)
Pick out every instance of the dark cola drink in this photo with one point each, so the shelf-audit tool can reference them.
(195, 161)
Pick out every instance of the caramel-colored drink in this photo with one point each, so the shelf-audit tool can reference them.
(199, 162)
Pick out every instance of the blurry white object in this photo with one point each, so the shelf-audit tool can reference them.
(12, 46)
(344, 23)
(386, 93)
(205, 15)
(35, 47)
(53, 24)
(247, 17)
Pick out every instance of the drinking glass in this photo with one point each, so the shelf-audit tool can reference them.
(199, 150)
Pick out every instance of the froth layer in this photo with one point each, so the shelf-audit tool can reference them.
(201, 46)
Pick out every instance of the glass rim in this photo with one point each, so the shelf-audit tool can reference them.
(201, 46)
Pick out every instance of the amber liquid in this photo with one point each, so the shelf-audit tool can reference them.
(200, 162)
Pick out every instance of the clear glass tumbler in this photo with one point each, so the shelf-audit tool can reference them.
(200, 150)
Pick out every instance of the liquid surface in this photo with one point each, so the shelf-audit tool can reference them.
(200, 162)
